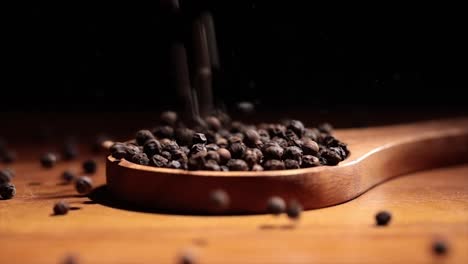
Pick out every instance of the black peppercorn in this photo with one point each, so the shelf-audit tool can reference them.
(263, 134)
(213, 155)
(90, 166)
(61, 208)
(383, 218)
(309, 147)
(293, 152)
(325, 128)
(252, 138)
(7, 190)
(274, 165)
(140, 158)
(219, 199)
(116, 146)
(142, 136)
(169, 118)
(158, 161)
(291, 164)
(237, 165)
(439, 247)
(276, 130)
(174, 164)
(312, 133)
(222, 142)
(294, 210)
(152, 147)
(250, 156)
(197, 148)
(236, 127)
(184, 136)
(235, 139)
(330, 156)
(224, 155)
(309, 161)
(212, 147)
(83, 185)
(179, 155)
(272, 150)
(211, 165)
(169, 145)
(281, 142)
(120, 153)
(70, 151)
(131, 150)
(48, 160)
(166, 155)
(276, 205)
(297, 127)
(213, 123)
(68, 176)
(257, 167)
(237, 150)
(163, 132)
(5, 176)
(199, 138)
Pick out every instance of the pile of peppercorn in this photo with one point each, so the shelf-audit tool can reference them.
(219, 144)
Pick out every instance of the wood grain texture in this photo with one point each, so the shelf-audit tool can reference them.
(425, 206)
(377, 154)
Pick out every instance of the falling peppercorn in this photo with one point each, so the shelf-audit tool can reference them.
(276, 205)
(219, 199)
(90, 166)
(294, 210)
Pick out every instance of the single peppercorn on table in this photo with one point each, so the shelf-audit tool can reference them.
(426, 206)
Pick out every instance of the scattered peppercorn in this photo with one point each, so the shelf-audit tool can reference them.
(276, 205)
(7, 190)
(294, 210)
(83, 185)
(199, 138)
(68, 176)
(61, 208)
(439, 247)
(90, 166)
(219, 198)
(48, 160)
(383, 218)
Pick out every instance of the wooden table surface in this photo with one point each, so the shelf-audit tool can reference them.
(425, 206)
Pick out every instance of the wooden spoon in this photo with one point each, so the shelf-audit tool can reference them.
(377, 154)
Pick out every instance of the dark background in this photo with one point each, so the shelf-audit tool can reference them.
(115, 57)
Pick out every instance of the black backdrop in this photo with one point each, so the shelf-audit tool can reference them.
(72, 57)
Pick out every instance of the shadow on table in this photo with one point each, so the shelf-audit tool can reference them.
(101, 195)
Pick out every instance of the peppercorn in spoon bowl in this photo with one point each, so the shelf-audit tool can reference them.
(377, 154)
